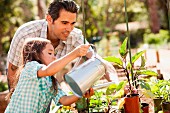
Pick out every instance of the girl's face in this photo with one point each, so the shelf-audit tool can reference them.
(47, 55)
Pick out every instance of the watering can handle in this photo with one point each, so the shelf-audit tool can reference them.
(78, 61)
(94, 48)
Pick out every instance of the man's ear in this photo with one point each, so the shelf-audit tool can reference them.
(49, 19)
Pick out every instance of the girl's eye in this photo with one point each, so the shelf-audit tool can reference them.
(50, 53)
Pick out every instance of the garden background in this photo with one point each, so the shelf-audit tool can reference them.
(148, 20)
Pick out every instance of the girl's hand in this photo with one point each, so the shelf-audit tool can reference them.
(89, 93)
(127, 90)
(82, 50)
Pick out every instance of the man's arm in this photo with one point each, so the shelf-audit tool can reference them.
(11, 74)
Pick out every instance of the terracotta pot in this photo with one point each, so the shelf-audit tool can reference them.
(145, 107)
(166, 107)
(132, 104)
(157, 104)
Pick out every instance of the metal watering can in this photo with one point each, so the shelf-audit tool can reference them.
(82, 78)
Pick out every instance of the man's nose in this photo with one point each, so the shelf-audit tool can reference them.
(69, 27)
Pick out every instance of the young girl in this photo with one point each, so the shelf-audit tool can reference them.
(35, 85)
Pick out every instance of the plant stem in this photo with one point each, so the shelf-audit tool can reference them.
(128, 34)
(168, 7)
(84, 27)
(127, 75)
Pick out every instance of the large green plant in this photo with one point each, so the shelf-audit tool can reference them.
(129, 69)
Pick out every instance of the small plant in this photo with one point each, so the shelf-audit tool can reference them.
(161, 92)
(98, 102)
(161, 89)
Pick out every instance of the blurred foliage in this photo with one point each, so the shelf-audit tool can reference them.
(13, 14)
(101, 16)
(3, 86)
(162, 37)
(136, 37)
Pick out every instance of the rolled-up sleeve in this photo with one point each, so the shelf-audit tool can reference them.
(60, 93)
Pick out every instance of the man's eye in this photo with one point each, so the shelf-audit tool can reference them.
(64, 22)
(73, 23)
(50, 53)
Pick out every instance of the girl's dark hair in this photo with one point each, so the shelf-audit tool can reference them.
(32, 51)
(57, 5)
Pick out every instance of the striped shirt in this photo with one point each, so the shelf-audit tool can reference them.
(38, 28)
(33, 94)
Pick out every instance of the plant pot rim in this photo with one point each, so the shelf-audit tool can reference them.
(131, 95)
(166, 102)
(144, 104)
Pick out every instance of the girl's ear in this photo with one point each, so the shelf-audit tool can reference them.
(49, 19)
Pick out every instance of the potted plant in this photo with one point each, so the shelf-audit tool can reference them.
(166, 96)
(132, 74)
(161, 91)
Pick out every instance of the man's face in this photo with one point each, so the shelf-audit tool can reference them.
(62, 27)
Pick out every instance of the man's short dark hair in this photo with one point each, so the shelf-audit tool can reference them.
(57, 5)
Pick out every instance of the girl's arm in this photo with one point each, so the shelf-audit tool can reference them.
(60, 63)
(68, 100)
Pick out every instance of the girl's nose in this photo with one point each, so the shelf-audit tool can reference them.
(54, 58)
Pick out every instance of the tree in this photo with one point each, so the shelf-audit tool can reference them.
(153, 14)
(41, 8)
(13, 14)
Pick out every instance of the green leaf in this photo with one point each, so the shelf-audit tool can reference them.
(129, 66)
(121, 85)
(144, 85)
(148, 94)
(114, 59)
(155, 89)
(119, 94)
(123, 48)
(111, 89)
(137, 55)
(143, 61)
(146, 72)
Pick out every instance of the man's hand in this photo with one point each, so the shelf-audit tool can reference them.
(111, 74)
(11, 74)
(89, 93)
(127, 90)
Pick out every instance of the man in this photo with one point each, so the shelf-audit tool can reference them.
(58, 28)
